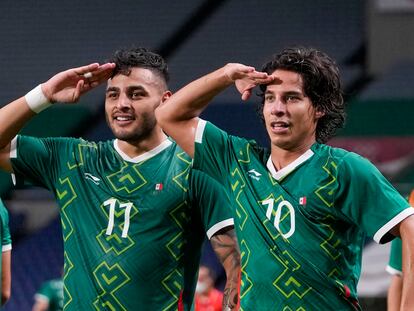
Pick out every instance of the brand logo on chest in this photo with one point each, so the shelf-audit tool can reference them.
(92, 178)
(254, 174)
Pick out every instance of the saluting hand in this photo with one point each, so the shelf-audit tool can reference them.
(246, 78)
(67, 86)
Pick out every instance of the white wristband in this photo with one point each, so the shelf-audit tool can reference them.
(36, 99)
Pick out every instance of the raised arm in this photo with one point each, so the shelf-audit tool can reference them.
(66, 86)
(178, 116)
(224, 244)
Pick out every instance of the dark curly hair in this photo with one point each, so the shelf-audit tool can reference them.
(126, 59)
(321, 83)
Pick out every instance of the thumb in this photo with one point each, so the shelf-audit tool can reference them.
(246, 95)
(78, 90)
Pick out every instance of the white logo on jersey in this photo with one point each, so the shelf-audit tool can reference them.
(254, 174)
(92, 178)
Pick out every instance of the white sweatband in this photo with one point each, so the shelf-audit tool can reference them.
(36, 99)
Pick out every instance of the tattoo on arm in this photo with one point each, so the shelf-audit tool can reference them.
(224, 244)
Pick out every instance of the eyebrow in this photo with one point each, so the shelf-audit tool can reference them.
(129, 88)
(294, 93)
(112, 89)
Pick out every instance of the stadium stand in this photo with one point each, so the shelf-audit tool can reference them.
(396, 83)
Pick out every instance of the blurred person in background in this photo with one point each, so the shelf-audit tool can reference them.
(50, 296)
(5, 260)
(207, 297)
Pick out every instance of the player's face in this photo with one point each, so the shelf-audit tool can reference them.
(130, 103)
(289, 115)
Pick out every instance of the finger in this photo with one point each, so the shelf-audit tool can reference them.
(246, 95)
(102, 73)
(259, 75)
(80, 71)
(94, 84)
(247, 69)
(264, 81)
(78, 90)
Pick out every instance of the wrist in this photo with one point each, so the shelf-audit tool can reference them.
(227, 75)
(37, 100)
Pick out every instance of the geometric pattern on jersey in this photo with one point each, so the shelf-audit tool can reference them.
(300, 229)
(132, 228)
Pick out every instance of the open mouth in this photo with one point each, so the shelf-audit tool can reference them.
(123, 118)
(279, 125)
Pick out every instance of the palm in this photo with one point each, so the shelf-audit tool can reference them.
(246, 78)
(65, 87)
(245, 84)
(69, 85)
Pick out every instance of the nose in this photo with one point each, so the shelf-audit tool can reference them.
(278, 108)
(123, 102)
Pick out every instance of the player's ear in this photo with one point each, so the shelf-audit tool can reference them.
(319, 113)
(167, 94)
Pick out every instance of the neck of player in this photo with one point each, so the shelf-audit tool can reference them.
(282, 157)
(135, 148)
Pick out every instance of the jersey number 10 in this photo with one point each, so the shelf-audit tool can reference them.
(278, 216)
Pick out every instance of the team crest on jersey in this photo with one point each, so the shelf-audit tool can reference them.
(92, 178)
(254, 174)
(302, 201)
(159, 187)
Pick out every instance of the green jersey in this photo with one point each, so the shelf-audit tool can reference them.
(4, 232)
(52, 292)
(394, 266)
(132, 227)
(300, 229)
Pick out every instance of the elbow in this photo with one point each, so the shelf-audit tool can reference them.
(5, 295)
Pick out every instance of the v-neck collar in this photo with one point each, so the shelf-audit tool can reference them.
(282, 173)
(145, 156)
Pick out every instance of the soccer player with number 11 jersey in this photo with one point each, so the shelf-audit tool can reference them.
(134, 212)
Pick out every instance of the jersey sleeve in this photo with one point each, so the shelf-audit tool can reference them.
(37, 160)
(212, 200)
(212, 149)
(5, 231)
(45, 292)
(394, 266)
(368, 199)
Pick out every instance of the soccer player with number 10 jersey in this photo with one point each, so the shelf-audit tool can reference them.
(302, 208)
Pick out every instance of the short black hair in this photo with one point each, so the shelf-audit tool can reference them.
(321, 83)
(139, 57)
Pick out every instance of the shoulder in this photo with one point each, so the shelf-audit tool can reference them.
(352, 167)
(56, 283)
(341, 157)
(176, 150)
